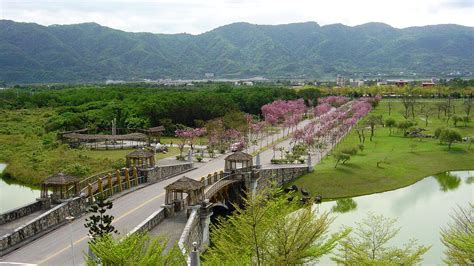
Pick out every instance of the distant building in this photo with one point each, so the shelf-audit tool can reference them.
(356, 83)
(209, 75)
(340, 81)
(427, 84)
(189, 84)
(247, 83)
(382, 83)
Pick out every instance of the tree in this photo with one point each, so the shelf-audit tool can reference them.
(457, 119)
(372, 121)
(458, 237)
(405, 125)
(341, 157)
(99, 223)
(449, 135)
(134, 249)
(360, 133)
(368, 246)
(270, 230)
(426, 111)
(467, 104)
(390, 122)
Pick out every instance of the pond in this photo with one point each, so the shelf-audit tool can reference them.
(420, 209)
(14, 195)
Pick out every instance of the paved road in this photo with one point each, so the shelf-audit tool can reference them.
(129, 210)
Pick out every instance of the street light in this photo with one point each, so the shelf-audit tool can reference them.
(69, 220)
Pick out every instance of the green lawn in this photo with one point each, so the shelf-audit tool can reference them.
(32, 154)
(407, 160)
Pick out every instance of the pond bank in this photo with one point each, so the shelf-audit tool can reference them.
(13, 195)
(421, 209)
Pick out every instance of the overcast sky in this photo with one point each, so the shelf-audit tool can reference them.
(197, 16)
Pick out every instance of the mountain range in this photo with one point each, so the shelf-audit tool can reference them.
(88, 52)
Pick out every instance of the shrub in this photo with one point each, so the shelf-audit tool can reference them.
(450, 136)
(438, 131)
(199, 158)
(341, 157)
(351, 151)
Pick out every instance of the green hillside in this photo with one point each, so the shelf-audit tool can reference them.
(32, 53)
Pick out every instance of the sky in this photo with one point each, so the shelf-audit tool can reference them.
(198, 16)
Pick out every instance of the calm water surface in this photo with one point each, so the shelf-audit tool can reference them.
(15, 195)
(421, 209)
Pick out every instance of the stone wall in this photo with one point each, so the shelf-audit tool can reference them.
(164, 172)
(20, 212)
(42, 224)
(280, 176)
(151, 222)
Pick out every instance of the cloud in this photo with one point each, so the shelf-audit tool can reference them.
(191, 16)
(459, 4)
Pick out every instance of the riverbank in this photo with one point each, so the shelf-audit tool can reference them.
(404, 161)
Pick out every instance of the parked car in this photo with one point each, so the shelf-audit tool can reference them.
(161, 148)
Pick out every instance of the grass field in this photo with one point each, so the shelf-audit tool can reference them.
(407, 160)
(33, 154)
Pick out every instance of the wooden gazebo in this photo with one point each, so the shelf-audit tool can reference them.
(154, 133)
(60, 184)
(141, 158)
(193, 188)
(238, 160)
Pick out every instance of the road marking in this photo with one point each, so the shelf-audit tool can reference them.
(115, 220)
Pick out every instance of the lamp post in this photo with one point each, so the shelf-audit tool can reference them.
(70, 219)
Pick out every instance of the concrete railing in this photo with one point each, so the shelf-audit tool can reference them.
(150, 222)
(42, 224)
(22, 211)
(192, 233)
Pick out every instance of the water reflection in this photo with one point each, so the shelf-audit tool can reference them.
(421, 210)
(14, 195)
(344, 205)
(447, 181)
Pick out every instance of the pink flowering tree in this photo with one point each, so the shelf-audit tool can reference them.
(184, 136)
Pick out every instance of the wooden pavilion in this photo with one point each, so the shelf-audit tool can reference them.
(154, 134)
(60, 184)
(193, 188)
(238, 161)
(141, 159)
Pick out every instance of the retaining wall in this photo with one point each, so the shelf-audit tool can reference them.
(164, 172)
(43, 223)
(280, 176)
(20, 212)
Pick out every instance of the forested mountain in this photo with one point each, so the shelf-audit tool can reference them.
(89, 52)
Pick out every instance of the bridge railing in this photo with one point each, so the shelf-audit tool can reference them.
(226, 180)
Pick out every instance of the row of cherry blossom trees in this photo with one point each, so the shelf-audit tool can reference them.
(333, 117)
(331, 123)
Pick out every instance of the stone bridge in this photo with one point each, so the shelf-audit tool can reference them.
(186, 218)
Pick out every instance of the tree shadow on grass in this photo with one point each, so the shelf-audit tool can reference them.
(456, 150)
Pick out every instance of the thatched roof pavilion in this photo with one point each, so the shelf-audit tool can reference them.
(154, 133)
(238, 160)
(60, 183)
(193, 188)
(140, 158)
